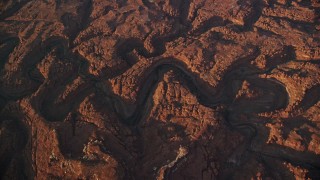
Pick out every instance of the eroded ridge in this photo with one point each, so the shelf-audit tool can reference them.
(153, 89)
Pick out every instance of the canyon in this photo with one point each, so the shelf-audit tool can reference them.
(154, 89)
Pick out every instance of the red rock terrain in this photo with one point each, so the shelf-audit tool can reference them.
(154, 89)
